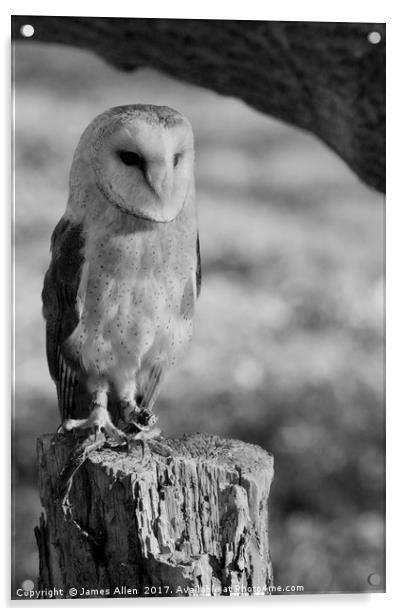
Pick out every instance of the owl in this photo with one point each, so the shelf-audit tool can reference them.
(120, 291)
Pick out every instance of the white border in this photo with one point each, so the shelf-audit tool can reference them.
(308, 10)
(287, 10)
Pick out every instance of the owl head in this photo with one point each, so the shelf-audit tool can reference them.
(138, 159)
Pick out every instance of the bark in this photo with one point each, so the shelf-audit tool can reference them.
(326, 78)
(187, 516)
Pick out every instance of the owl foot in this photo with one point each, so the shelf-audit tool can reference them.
(141, 419)
(141, 439)
(98, 423)
(147, 433)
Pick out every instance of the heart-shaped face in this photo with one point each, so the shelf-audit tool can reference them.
(141, 158)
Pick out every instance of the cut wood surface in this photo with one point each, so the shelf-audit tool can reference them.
(182, 516)
(327, 78)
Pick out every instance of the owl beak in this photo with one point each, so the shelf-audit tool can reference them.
(157, 177)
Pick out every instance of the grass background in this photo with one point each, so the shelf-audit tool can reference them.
(288, 351)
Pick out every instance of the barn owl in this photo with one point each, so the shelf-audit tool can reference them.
(119, 294)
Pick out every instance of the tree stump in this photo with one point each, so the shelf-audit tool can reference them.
(180, 517)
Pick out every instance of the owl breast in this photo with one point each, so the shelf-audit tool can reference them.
(136, 299)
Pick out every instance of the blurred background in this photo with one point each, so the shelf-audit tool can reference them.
(288, 349)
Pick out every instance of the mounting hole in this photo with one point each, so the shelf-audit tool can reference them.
(28, 585)
(374, 579)
(27, 30)
(374, 38)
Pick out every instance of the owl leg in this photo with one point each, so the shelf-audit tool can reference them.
(126, 391)
(144, 419)
(135, 419)
(99, 420)
(149, 394)
(134, 416)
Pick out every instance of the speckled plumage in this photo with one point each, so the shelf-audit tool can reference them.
(120, 291)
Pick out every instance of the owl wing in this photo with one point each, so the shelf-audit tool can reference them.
(60, 310)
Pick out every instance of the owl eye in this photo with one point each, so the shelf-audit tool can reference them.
(131, 159)
(176, 159)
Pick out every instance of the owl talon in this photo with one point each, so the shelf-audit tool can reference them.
(141, 439)
(142, 419)
(98, 423)
(147, 434)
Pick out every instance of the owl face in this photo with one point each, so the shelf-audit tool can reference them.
(141, 158)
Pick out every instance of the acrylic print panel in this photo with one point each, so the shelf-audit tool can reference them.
(288, 344)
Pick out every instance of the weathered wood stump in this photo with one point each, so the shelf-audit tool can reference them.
(186, 516)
